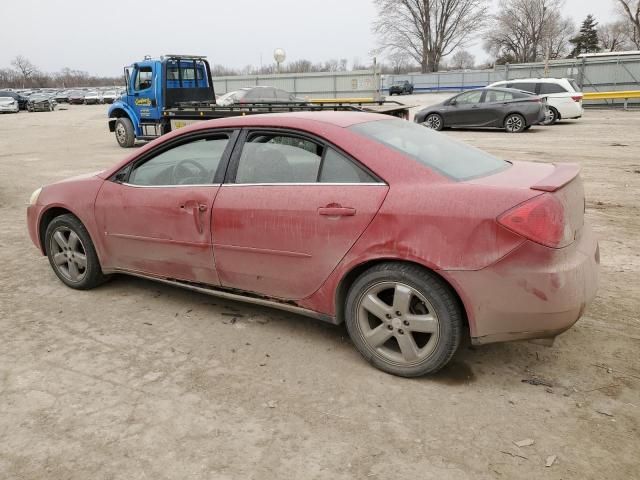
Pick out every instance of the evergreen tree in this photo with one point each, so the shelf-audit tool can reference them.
(587, 40)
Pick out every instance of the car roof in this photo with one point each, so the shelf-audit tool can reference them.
(283, 119)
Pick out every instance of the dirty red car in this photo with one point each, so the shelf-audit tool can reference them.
(405, 234)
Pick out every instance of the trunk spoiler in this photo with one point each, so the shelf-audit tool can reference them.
(563, 174)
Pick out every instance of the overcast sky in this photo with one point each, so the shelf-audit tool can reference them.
(101, 37)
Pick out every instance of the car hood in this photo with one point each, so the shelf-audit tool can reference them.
(79, 178)
(6, 101)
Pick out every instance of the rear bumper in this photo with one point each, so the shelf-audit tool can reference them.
(534, 292)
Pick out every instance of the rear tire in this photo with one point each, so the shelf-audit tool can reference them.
(514, 123)
(403, 319)
(71, 253)
(125, 135)
(553, 117)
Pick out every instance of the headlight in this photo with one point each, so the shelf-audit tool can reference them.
(34, 196)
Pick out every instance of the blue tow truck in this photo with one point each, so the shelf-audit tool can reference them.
(176, 90)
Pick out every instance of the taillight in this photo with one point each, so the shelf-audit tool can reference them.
(541, 220)
(576, 98)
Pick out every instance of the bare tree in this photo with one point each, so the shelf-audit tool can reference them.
(462, 60)
(614, 36)
(528, 31)
(427, 30)
(25, 67)
(631, 13)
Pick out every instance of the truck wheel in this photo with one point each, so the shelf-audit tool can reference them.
(124, 132)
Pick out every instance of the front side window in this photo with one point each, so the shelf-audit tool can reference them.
(469, 97)
(432, 149)
(192, 163)
(143, 78)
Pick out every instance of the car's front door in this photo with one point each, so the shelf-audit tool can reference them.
(291, 209)
(465, 110)
(155, 214)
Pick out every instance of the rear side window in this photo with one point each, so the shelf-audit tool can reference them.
(493, 96)
(434, 150)
(527, 87)
(548, 88)
(574, 85)
(281, 158)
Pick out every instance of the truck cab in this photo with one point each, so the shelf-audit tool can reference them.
(152, 87)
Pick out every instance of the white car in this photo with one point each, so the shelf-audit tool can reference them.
(92, 97)
(563, 96)
(8, 104)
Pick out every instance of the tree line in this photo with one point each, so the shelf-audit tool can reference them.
(424, 33)
(24, 74)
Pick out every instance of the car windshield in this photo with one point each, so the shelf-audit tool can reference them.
(435, 150)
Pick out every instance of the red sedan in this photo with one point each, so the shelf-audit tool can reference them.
(406, 235)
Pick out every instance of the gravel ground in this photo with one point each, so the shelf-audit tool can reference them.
(136, 380)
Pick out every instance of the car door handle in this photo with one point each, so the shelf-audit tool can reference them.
(197, 209)
(336, 211)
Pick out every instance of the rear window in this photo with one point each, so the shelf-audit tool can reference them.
(443, 154)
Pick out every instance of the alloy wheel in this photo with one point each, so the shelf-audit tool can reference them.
(398, 323)
(69, 254)
(434, 122)
(514, 123)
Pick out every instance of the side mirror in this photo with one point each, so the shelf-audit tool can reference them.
(120, 176)
(453, 102)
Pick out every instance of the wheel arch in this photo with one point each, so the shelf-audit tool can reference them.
(45, 219)
(118, 111)
(351, 275)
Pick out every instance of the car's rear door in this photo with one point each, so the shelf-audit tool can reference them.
(496, 105)
(291, 208)
(155, 214)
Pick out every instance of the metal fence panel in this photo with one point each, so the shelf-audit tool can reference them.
(597, 74)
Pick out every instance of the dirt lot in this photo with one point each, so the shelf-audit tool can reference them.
(136, 380)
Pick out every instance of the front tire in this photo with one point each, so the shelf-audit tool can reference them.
(403, 319)
(434, 122)
(71, 253)
(514, 123)
(125, 135)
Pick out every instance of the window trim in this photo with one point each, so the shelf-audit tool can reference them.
(219, 174)
(232, 169)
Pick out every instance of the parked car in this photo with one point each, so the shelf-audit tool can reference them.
(513, 110)
(109, 96)
(41, 102)
(76, 97)
(260, 94)
(563, 95)
(401, 88)
(8, 105)
(92, 98)
(407, 235)
(21, 99)
(62, 96)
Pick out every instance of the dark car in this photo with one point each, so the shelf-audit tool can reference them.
(260, 94)
(513, 110)
(401, 88)
(41, 102)
(76, 97)
(22, 100)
